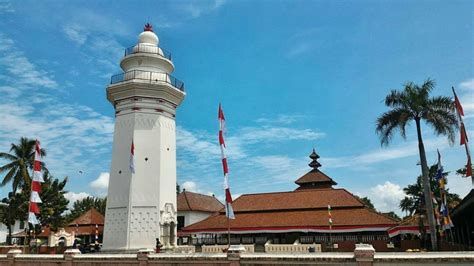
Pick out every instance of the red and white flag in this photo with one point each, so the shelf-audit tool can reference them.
(228, 197)
(132, 158)
(464, 139)
(35, 186)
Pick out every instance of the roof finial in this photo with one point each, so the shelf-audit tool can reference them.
(148, 27)
(314, 163)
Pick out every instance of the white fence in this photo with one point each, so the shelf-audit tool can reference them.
(221, 248)
(185, 249)
(291, 248)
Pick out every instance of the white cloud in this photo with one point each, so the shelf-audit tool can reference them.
(386, 197)
(21, 71)
(194, 187)
(385, 154)
(298, 49)
(76, 33)
(189, 186)
(6, 7)
(73, 197)
(101, 183)
(75, 136)
(196, 9)
(284, 119)
(466, 96)
(96, 35)
(275, 134)
(467, 84)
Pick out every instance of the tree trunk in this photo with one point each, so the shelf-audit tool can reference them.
(427, 188)
(9, 237)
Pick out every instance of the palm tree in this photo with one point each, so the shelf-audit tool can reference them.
(414, 103)
(21, 158)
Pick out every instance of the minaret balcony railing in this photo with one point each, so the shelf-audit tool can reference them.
(150, 76)
(149, 49)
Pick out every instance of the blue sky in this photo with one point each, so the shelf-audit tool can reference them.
(291, 75)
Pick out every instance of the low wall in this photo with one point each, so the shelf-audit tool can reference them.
(361, 256)
(221, 248)
(185, 249)
(290, 248)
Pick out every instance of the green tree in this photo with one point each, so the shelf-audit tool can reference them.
(82, 206)
(54, 202)
(14, 208)
(414, 103)
(414, 201)
(393, 215)
(462, 171)
(368, 203)
(19, 163)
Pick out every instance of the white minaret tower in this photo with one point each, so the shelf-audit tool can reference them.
(141, 203)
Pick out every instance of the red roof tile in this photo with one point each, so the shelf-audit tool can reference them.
(91, 217)
(296, 219)
(315, 176)
(190, 201)
(300, 199)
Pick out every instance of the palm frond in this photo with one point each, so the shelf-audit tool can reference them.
(444, 122)
(391, 120)
(427, 86)
(441, 102)
(8, 167)
(395, 99)
(8, 177)
(7, 156)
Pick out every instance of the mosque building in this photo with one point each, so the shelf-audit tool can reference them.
(299, 216)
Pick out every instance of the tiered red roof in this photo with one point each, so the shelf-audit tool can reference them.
(302, 210)
(298, 211)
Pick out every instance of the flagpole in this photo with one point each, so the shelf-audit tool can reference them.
(29, 200)
(228, 225)
(29, 206)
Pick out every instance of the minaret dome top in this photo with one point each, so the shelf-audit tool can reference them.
(148, 36)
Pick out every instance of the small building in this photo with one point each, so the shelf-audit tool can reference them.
(193, 208)
(89, 227)
(299, 216)
(85, 230)
(18, 227)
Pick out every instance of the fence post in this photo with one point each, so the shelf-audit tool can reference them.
(142, 256)
(233, 254)
(69, 256)
(11, 256)
(364, 254)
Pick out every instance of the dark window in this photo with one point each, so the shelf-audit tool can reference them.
(180, 222)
